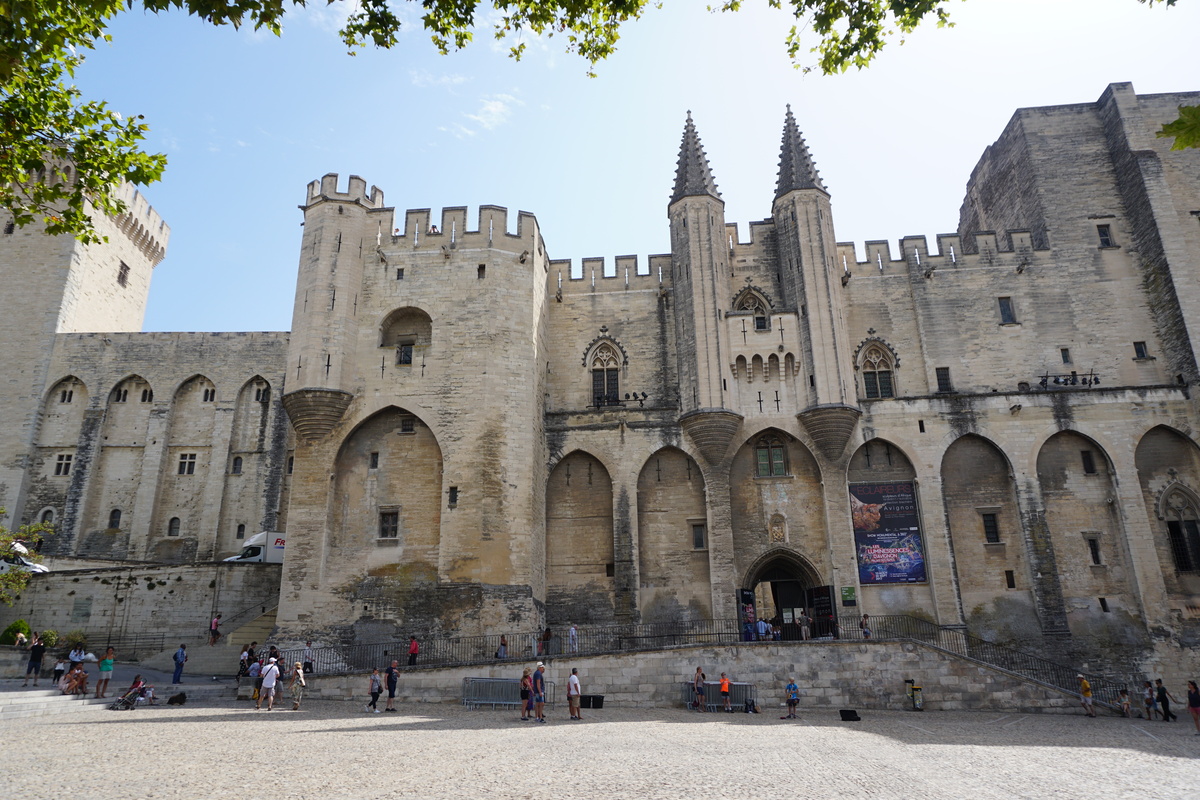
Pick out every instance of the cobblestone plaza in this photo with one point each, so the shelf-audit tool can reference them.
(441, 751)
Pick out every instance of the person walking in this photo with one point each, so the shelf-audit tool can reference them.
(805, 625)
(761, 628)
(105, 673)
(180, 658)
(270, 677)
(539, 692)
(308, 657)
(725, 693)
(1164, 700)
(297, 685)
(375, 688)
(37, 651)
(791, 693)
(1193, 704)
(243, 665)
(866, 626)
(573, 694)
(1149, 701)
(414, 648)
(698, 689)
(1085, 695)
(214, 631)
(392, 678)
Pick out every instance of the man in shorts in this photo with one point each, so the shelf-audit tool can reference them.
(1085, 695)
(270, 676)
(393, 676)
(574, 692)
(37, 652)
(792, 692)
(725, 693)
(539, 692)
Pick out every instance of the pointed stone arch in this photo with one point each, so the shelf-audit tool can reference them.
(1168, 466)
(673, 563)
(877, 363)
(580, 549)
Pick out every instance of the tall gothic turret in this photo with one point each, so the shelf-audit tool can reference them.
(700, 272)
(812, 282)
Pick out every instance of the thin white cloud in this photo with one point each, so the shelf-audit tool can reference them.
(457, 130)
(494, 111)
(423, 78)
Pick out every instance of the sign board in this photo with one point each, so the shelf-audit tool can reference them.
(849, 596)
(887, 533)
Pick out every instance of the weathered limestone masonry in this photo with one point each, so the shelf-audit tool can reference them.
(484, 439)
(863, 675)
(174, 600)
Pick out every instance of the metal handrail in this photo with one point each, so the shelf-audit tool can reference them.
(600, 640)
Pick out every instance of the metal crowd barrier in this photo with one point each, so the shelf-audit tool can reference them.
(739, 693)
(497, 692)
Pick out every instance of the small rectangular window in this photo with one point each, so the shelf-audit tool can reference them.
(62, 465)
(920, 426)
(943, 380)
(408, 425)
(374, 460)
(404, 354)
(1007, 315)
(610, 570)
(1103, 604)
(1010, 579)
(453, 499)
(699, 539)
(1140, 351)
(481, 272)
(1094, 550)
(1105, 234)
(991, 529)
(241, 532)
(123, 274)
(291, 464)
(187, 464)
(389, 524)
(1065, 352)
(1089, 461)
(399, 273)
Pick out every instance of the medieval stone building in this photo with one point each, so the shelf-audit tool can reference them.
(997, 432)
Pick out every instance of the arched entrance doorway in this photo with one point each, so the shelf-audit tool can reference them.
(781, 587)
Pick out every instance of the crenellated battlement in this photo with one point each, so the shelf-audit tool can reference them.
(356, 192)
(980, 249)
(617, 274)
(760, 229)
(452, 230)
(142, 225)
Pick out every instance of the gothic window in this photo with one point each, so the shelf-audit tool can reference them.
(1183, 531)
(47, 517)
(147, 395)
(114, 519)
(262, 393)
(173, 527)
(758, 309)
(877, 373)
(606, 370)
(770, 456)
(66, 396)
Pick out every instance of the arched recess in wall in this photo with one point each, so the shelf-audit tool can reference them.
(579, 542)
(988, 541)
(388, 497)
(1168, 465)
(878, 470)
(776, 502)
(116, 472)
(190, 463)
(1084, 521)
(55, 455)
(409, 332)
(672, 539)
(242, 498)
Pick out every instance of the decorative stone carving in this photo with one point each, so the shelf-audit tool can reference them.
(711, 429)
(314, 412)
(830, 427)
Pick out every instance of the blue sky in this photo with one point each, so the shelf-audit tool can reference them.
(247, 120)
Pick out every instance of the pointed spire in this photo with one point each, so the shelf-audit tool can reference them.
(796, 168)
(692, 175)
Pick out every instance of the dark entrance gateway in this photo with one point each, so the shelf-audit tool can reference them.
(794, 588)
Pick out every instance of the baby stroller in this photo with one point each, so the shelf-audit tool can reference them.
(127, 701)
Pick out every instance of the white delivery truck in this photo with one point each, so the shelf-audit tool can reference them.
(262, 547)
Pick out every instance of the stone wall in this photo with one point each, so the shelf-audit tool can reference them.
(863, 675)
(176, 601)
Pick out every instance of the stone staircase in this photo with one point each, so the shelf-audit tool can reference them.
(219, 661)
(40, 702)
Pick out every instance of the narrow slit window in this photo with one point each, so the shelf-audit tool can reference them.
(1094, 550)
(1103, 604)
(1010, 579)
(114, 519)
(453, 497)
(374, 463)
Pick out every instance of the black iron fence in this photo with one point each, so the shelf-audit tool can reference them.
(600, 640)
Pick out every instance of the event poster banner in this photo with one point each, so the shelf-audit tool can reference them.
(887, 534)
